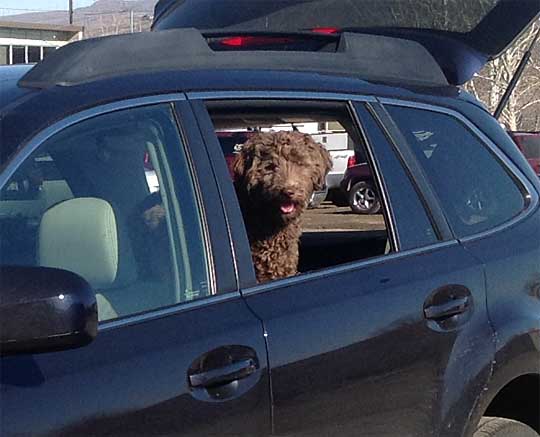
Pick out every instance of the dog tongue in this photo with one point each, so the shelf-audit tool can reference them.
(287, 207)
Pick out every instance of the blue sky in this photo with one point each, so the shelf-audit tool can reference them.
(16, 5)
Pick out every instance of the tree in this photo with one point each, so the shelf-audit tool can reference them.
(523, 109)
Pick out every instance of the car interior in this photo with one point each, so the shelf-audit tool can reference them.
(79, 204)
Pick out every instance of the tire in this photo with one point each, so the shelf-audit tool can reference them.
(364, 199)
(501, 427)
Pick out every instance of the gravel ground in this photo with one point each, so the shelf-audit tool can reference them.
(327, 216)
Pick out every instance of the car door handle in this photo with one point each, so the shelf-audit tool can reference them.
(223, 375)
(447, 309)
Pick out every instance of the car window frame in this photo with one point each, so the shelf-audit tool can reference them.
(26, 149)
(248, 284)
(530, 195)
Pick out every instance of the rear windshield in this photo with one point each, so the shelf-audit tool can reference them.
(531, 146)
(460, 16)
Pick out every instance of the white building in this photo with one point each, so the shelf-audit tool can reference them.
(24, 43)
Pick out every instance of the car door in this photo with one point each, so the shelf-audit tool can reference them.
(177, 351)
(397, 344)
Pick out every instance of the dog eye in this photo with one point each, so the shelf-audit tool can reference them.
(271, 167)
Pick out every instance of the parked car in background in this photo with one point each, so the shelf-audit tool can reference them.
(529, 144)
(126, 312)
(341, 148)
(359, 189)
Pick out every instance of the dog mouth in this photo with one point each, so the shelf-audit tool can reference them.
(287, 207)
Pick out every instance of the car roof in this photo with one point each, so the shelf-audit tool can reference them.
(37, 108)
(10, 92)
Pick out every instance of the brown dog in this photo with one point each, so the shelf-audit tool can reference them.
(275, 174)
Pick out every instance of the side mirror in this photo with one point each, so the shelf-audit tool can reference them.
(44, 309)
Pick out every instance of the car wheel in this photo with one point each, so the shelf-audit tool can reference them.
(501, 427)
(363, 198)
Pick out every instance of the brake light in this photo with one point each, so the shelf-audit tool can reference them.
(351, 161)
(243, 41)
(325, 30)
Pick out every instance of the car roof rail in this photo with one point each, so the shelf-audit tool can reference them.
(369, 57)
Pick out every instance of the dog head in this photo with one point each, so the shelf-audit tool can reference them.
(278, 171)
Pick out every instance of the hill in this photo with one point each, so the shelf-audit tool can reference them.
(104, 17)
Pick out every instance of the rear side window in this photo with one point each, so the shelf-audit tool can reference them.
(475, 190)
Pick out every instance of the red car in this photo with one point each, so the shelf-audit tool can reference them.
(529, 144)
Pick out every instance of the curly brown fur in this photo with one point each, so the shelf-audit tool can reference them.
(275, 174)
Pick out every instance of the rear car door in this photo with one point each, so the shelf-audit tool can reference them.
(177, 352)
(397, 344)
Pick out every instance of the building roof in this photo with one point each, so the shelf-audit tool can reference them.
(40, 26)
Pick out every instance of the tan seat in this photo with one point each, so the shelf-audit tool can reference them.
(82, 235)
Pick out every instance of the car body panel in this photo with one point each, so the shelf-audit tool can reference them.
(132, 380)
(513, 296)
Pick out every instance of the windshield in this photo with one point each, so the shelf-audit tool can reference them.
(293, 15)
(531, 146)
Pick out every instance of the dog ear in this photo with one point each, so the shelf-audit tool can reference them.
(326, 161)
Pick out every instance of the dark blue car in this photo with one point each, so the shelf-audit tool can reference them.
(129, 304)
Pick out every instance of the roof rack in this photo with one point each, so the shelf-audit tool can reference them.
(369, 57)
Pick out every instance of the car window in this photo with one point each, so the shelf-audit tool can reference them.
(414, 226)
(475, 190)
(343, 219)
(100, 199)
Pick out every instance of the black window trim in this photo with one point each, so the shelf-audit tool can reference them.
(26, 149)
(530, 196)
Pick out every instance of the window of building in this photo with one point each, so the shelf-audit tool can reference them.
(48, 50)
(34, 54)
(19, 55)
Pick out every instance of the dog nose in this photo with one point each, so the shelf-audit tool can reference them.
(289, 192)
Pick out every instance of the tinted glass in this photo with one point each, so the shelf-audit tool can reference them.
(476, 192)
(413, 224)
(99, 199)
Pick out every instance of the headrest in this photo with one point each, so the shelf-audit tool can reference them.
(83, 235)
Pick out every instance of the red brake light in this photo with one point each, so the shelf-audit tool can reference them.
(351, 161)
(243, 41)
(326, 30)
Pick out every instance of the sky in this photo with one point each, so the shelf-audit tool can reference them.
(8, 7)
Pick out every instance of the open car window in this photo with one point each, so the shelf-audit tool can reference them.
(344, 221)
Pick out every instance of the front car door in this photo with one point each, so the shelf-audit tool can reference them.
(396, 343)
(129, 203)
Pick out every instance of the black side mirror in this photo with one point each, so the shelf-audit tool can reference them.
(44, 309)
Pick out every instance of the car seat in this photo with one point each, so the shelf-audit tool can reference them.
(83, 235)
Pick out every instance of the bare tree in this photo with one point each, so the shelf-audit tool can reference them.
(521, 112)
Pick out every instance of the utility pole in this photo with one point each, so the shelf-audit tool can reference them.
(70, 11)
